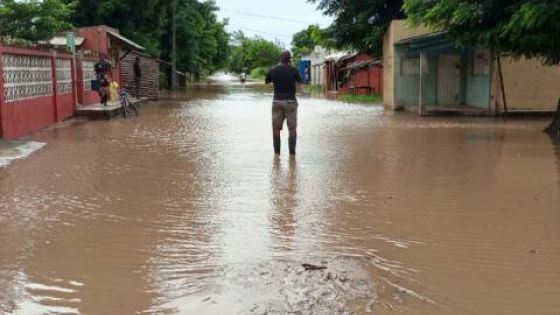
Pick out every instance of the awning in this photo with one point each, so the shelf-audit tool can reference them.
(428, 42)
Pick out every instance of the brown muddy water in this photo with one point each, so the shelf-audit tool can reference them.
(185, 210)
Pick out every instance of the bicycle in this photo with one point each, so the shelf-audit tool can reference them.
(127, 107)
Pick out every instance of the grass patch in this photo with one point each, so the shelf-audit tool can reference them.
(313, 89)
(258, 74)
(351, 98)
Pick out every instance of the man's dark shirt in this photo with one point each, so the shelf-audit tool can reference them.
(284, 78)
(101, 69)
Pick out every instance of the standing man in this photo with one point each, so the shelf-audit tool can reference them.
(103, 73)
(285, 105)
(137, 76)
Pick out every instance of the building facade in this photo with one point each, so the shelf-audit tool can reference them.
(426, 72)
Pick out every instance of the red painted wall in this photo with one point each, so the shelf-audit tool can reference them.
(65, 105)
(26, 116)
(21, 117)
(95, 39)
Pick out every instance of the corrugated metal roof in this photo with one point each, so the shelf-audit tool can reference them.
(125, 40)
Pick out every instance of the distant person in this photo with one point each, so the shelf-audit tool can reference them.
(103, 74)
(284, 106)
(137, 76)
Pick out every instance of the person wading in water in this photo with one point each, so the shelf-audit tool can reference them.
(285, 106)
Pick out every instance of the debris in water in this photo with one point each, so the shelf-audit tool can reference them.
(310, 267)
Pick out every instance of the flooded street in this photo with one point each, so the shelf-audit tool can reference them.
(186, 210)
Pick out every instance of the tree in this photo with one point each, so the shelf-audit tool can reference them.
(142, 21)
(203, 44)
(34, 20)
(201, 39)
(249, 53)
(360, 24)
(304, 42)
(518, 28)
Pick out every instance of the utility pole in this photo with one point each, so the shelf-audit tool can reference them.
(174, 46)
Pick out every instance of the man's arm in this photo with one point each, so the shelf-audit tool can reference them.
(298, 77)
(268, 79)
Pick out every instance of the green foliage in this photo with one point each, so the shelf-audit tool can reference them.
(34, 20)
(140, 21)
(304, 42)
(202, 42)
(364, 99)
(360, 24)
(314, 89)
(259, 73)
(527, 28)
(249, 53)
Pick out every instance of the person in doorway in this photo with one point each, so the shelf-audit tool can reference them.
(103, 74)
(137, 76)
(284, 106)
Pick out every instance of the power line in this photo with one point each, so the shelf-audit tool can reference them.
(260, 32)
(269, 17)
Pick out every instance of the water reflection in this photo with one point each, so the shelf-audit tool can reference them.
(284, 199)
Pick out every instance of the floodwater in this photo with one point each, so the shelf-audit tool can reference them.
(185, 210)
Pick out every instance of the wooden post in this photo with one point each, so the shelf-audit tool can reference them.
(502, 85)
(421, 96)
(174, 46)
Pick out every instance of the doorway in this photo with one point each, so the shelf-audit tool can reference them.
(449, 79)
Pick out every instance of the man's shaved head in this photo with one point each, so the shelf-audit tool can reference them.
(286, 57)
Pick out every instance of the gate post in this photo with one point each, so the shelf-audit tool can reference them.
(54, 86)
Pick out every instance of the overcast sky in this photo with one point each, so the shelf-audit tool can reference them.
(271, 19)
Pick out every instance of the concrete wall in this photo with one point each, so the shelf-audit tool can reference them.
(529, 85)
(398, 30)
(95, 39)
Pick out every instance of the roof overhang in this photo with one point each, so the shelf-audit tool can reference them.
(428, 42)
(125, 41)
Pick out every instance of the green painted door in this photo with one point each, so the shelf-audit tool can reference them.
(449, 79)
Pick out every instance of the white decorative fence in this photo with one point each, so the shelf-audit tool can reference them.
(26, 77)
(89, 74)
(63, 76)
